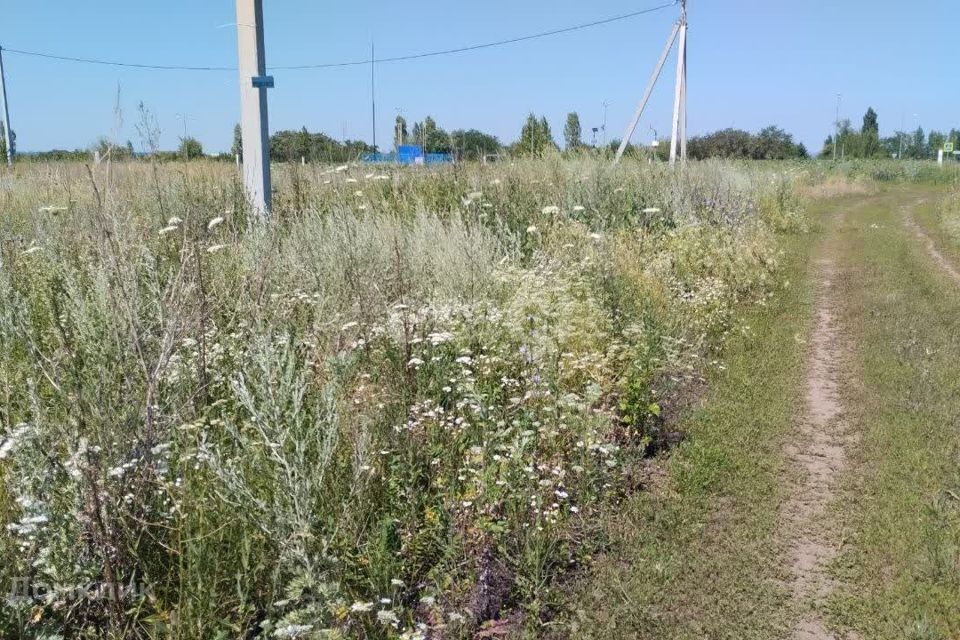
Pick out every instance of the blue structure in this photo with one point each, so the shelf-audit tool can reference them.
(408, 154)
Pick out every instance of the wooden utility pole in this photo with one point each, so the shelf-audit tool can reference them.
(7, 132)
(254, 127)
(680, 95)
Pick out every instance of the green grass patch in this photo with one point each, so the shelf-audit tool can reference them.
(697, 556)
(903, 503)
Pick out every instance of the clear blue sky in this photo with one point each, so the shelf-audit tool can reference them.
(751, 63)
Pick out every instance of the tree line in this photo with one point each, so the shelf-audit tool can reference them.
(866, 142)
(535, 140)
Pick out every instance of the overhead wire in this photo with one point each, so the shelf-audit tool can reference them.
(351, 63)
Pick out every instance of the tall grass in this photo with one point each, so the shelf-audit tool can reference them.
(393, 410)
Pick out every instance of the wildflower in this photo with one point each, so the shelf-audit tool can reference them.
(579, 209)
(361, 607)
(213, 223)
(351, 180)
(368, 176)
(215, 248)
(387, 617)
(596, 237)
(574, 509)
(293, 630)
(167, 229)
(342, 168)
(382, 177)
(359, 194)
(174, 221)
(10, 442)
(428, 600)
(495, 182)
(415, 362)
(649, 210)
(531, 229)
(397, 583)
(551, 210)
(32, 250)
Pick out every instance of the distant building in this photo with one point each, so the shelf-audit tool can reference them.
(408, 154)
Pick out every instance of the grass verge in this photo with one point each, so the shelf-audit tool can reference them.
(698, 555)
(903, 501)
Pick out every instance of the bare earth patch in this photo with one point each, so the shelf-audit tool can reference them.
(818, 454)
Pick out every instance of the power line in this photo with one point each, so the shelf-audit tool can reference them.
(353, 63)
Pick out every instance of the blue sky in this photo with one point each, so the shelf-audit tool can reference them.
(751, 63)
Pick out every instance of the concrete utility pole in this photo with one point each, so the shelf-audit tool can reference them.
(646, 94)
(680, 97)
(7, 133)
(678, 140)
(254, 82)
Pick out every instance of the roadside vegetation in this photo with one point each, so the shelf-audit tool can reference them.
(400, 408)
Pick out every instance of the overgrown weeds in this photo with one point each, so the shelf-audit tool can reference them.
(394, 411)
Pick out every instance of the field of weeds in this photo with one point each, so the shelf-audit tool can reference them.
(394, 411)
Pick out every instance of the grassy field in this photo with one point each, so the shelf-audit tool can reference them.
(404, 407)
(542, 399)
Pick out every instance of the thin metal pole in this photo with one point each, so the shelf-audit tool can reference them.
(7, 133)
(373, 96)
(646, 94)
(254, 125)
(836, 140)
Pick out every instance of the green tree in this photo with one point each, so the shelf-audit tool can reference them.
(535, 137)
(190, 148)
(869, 143)
(432, 138)
(237, 148)
(400, 132)
(870, 123)
(473, 145)
(3, 143)
(572, 132)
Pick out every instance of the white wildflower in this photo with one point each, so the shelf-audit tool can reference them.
(579, 209)
(361, 607)
(175, 221)
(215, 248)
(387, 617)
(531, 229)
(214, 223)
(551, 210)
(168, 229)
(651, 210)
(342, 168)
(415, 362)
(397, 583)
(293, 631)
(351, 180)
